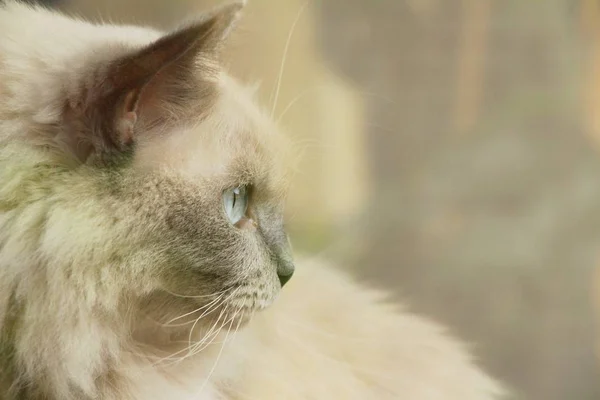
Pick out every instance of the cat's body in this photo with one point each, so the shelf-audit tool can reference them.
(116, 254)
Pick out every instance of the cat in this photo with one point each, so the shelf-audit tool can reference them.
(143, 253)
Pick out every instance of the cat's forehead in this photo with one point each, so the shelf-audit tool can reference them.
(235, 137)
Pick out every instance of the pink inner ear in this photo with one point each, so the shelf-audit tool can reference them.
(130, 102)
(127, 124)
(127, 120)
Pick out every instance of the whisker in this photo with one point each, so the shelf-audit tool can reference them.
(195, 347)
(205, 344)
(284, 58)
(192, 312)
(207, 340)
(234, 292)
(309, 90)
(220, 353)
(296, 99)
(212, 333)
(190, 350)
(194, 296)
(191, 346)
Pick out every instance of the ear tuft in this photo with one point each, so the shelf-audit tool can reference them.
(209, 32)
(226, 18)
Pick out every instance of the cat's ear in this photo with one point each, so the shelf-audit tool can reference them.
(150, 86)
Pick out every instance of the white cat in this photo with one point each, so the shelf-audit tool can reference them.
(142, 240)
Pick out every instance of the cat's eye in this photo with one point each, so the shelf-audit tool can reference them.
(235, 201)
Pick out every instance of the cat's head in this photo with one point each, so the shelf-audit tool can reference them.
(190, 172)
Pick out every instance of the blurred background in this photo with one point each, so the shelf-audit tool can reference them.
(450, 152)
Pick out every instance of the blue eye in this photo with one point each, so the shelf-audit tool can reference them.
(235, 201)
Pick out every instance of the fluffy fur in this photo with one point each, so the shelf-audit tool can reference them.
(120, 276)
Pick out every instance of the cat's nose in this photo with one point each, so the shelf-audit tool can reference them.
(284, 278)
(285, 270)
